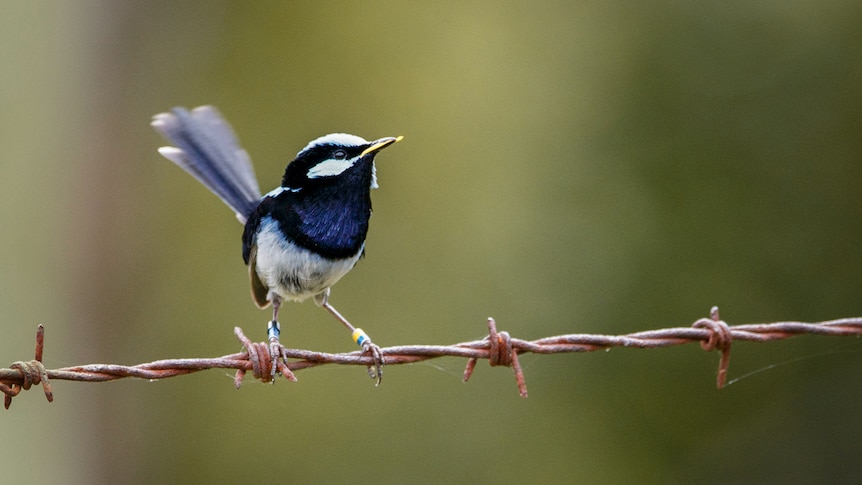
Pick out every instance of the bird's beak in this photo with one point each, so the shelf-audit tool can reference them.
(380, 144)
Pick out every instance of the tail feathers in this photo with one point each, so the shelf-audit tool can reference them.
(207, 148)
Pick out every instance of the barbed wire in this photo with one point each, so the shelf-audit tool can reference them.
(499, 348)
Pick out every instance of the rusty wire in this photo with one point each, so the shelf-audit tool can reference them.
(499, 348)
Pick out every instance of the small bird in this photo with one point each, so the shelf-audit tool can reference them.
(303, 236)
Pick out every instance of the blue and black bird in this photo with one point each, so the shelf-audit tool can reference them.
(303, 236)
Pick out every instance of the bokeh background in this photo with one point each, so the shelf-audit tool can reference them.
(568, 167)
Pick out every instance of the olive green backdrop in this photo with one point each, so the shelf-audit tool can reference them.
(567, 167)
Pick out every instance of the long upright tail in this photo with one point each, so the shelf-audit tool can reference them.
(206, 147)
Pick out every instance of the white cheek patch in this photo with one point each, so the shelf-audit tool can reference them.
(330, 168)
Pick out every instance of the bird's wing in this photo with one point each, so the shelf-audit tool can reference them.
(259, 290)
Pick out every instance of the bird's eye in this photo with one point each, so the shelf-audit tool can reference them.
(339, 155)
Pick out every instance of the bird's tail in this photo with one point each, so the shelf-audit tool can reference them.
(206, 147)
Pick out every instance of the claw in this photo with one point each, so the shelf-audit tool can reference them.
(275, 351)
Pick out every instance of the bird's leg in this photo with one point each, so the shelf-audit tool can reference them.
(359, 336)
(273, 331)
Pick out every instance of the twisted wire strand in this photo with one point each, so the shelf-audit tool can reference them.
(499, 348)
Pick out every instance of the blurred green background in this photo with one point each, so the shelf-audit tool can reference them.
(568, 167)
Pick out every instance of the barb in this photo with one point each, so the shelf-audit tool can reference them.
(499, 348)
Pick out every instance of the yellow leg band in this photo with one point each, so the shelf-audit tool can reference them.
(359, 336)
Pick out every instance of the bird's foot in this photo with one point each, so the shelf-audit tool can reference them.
(278, 352)
(375, 370)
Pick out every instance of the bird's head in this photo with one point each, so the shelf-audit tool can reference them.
(332, 157)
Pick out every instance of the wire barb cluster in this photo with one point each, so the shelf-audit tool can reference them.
(499, 348)
(30, 372)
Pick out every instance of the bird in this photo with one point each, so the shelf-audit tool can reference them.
(303, 236)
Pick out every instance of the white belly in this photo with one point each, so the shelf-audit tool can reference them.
(295, 273)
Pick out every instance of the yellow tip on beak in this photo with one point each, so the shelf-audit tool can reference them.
(381, 144)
